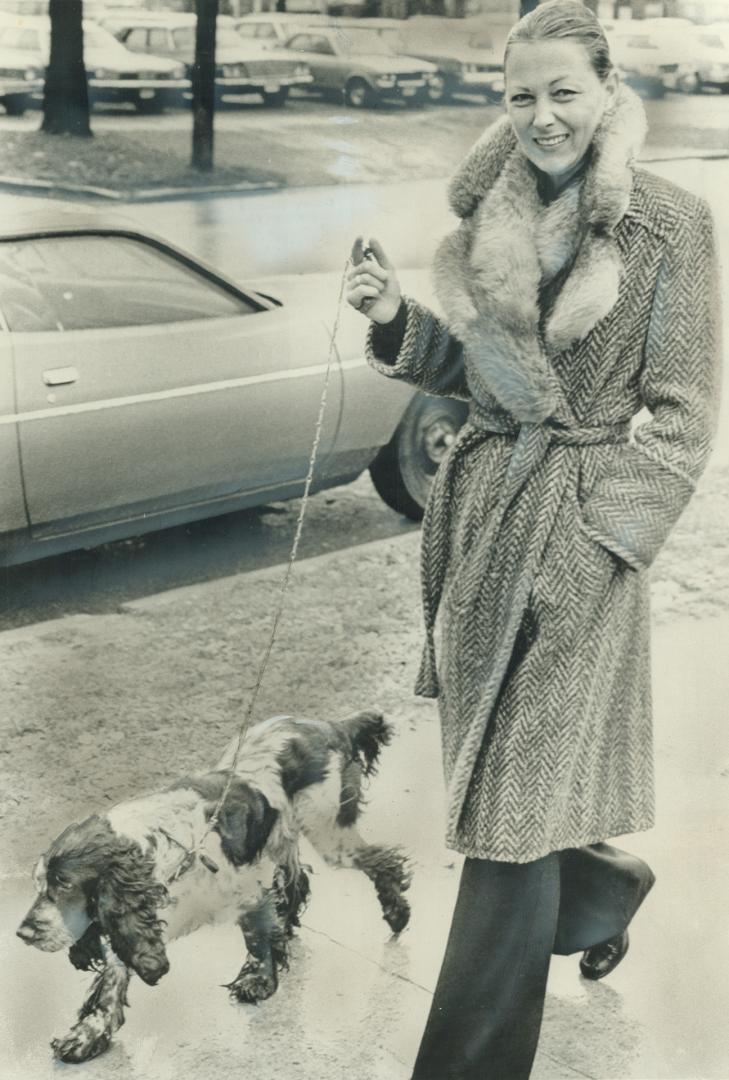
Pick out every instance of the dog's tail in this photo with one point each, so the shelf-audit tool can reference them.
(368, 732)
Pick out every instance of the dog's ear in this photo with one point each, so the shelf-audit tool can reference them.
(245, 823)
(127, 899)
(87, 953)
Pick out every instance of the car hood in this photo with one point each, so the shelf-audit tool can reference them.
(388, 65)
(235, 55)
(20, 58)
(436, 52)
(112, 60)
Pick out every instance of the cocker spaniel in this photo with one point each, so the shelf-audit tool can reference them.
(103, 883)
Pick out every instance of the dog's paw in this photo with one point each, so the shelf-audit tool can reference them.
(396, 913)
(85, 1040)
(252, 985)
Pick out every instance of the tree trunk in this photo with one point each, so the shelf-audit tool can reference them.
(66, 95)
(203, 86)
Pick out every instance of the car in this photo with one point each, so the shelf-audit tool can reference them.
(711, 51)
(21, 79)
(114, 74)
(240, 67)
(360, 68)
(467, 59)
(140, 388)
(652, 61)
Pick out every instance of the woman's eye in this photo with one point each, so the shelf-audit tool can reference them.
(564, 93)
(520, 99)
(63, 884)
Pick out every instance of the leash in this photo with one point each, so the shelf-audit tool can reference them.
(196, 851)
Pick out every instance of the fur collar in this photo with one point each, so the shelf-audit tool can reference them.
(488, 273)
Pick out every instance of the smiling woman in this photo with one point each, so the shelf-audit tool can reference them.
(577, 290)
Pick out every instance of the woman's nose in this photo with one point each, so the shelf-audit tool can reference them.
(543, 114)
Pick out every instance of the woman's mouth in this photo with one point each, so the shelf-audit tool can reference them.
(546, 142)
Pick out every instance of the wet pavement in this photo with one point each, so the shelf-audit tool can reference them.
(354, 1002)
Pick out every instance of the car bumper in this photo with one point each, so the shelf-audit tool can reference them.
(161, 90)
(18, 87)
(257, 84)
(401, 91)
(488, 81)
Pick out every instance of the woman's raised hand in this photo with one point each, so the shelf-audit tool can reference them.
(372, 285)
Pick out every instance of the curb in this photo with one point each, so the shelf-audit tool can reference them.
(52, 188)
(171, 596)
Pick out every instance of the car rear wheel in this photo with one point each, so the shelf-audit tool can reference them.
(403, 470)
(15, 105)
(357, 94)
(275, 98)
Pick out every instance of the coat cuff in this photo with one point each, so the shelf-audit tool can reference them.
(386, 338)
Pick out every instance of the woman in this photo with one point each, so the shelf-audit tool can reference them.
(577, 290)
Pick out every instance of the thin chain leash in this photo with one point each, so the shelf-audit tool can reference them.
(197, 850)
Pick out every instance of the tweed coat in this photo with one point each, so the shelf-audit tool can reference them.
(551, 505)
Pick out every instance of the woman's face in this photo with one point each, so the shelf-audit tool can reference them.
(555, 100)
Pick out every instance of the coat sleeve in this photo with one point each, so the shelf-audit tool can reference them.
(428, 356)
(634, 506)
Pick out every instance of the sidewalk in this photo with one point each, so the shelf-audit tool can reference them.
(101, 707)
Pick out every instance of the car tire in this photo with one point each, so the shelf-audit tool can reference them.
(439, 92)
(276, 99)
(403, 470)
(358, 94)
(16, 105)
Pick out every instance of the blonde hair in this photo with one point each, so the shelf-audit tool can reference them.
(565, 19)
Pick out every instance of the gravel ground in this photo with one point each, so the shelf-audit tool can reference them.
(98, 707)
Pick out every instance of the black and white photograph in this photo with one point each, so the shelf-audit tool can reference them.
(364, 539)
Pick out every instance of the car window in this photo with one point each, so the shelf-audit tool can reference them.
(157, 38)
(95, 281)
(13, 37)
(136, 39)
(363, 42)
(303, 42)
(321, 45)
(184, 37)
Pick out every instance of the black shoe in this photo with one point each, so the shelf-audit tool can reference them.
(600, 960)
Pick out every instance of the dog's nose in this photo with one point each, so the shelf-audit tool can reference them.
(27, 933)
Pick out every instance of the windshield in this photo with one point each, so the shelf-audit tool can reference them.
(364, 41)
(480, 41)
(226, 38)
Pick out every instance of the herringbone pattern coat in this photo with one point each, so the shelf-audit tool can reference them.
(544, 518)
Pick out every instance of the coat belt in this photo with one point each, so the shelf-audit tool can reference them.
(531, 444)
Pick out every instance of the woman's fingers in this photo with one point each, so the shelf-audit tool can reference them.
(357, 253)
(379, 253)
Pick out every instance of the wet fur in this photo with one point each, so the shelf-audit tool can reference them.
(106, 886)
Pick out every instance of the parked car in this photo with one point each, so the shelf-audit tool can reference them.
(140, 388)
(240, 67)
(652, 61)
(467, 60)
(20, 79)
(114, 74)
(359, 67)
(712, 58)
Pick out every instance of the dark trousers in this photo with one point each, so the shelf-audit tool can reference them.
(509, 918)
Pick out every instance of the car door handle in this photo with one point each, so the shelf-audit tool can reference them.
(60, 376)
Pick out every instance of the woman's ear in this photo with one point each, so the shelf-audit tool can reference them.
(611, 88)
(127, 900)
